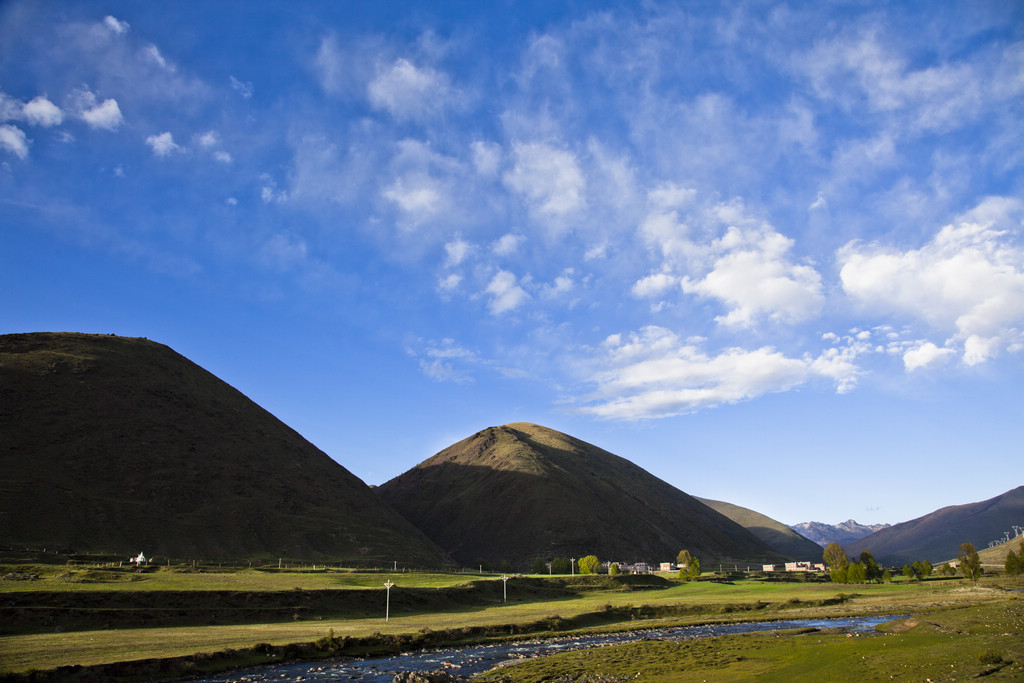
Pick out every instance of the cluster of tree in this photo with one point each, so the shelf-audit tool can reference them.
(689, 566)
(918, 570)
(1015, 562)
(842, 570)
(866, 570)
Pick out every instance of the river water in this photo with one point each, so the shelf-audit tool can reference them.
(466, 661)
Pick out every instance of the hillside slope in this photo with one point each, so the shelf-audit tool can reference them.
(774, 534)
(522, 491)
(116, 445)
(937, 536)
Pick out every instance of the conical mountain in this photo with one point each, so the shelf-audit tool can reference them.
(116, 445)
(521, 491)
(775, 534)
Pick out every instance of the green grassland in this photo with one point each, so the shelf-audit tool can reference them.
(106, 615)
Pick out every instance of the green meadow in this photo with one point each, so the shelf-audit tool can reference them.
(60, 616)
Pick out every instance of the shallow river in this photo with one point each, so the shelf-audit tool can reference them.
(465, 661)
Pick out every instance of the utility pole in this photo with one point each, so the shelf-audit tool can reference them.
(504, 588)
(572, 566)
(387, 606)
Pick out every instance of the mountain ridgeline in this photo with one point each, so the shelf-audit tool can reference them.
(115, 445)
(112, 445)
(521, 491)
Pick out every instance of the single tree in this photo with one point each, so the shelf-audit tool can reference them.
(887, 576)
(589, 564)
(1013, 564)
(872, 571)
(837, 561)
(856, 573)
(683, 559)
(694, 569)
(946, 570)
(540, 566)
(970, 563)
(613, 569)
(835, 557)
(908, 571)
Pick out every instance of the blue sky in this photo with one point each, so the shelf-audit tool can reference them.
(772, 253)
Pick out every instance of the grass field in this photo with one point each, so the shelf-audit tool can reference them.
(425, 603)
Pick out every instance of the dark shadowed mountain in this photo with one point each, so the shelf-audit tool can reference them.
(522, 491)
(774, 534)
(937, 536)
(842, 533)
(116, 445)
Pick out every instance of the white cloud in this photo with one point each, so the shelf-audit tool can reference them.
(208, 139)
(968, 281)
(549, 178)
(222, 156)
(506, 245)
(415, 195)
(506, 295)
(457, 250)
(925, 355)
(116, 26)
(655, 284)
(105, 115)
(410, 92)
(653, 373)
(42, 112)
(162, 144)
(13, 140)
(562, 285)
(755, 278)
(447, 285)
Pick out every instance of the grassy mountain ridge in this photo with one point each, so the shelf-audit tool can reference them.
(937, 536)
(773, 533)
(521, 491)
(116, 445)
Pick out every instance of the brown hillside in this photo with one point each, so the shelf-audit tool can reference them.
(522, 491)
(118, 445)
(937, 536)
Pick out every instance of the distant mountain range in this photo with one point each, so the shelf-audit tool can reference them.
(118, 445)
(842, 533)
(937, 536)
(522, 491)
